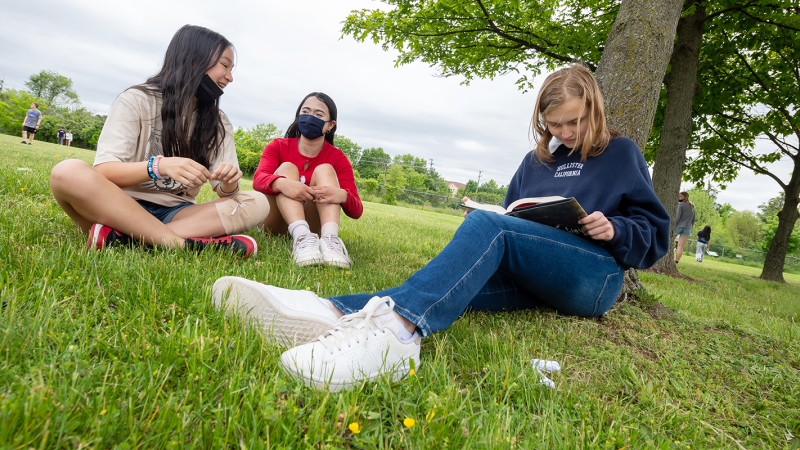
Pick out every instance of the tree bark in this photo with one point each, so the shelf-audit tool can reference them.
(676, 132)
(633, 64)
(631, 71)
(776, 254)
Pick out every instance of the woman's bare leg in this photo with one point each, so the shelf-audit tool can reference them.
(325, 175)
(88, 197)
(681, 243)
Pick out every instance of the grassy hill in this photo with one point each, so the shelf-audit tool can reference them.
(122, 348)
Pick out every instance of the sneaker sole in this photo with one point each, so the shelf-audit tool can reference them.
(94, 234)
(339, 264)
(253, 302)
(399, 372)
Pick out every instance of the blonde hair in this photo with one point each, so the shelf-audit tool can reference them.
(559, 87)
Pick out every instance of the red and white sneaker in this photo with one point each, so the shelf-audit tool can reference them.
(239, 243)
(104, 236)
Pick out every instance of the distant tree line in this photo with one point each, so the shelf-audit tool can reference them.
(403, 178)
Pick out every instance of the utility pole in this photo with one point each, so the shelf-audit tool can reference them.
(479, 182)
(430, 169)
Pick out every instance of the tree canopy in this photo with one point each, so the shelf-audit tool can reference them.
(487, 38)
(53, 88)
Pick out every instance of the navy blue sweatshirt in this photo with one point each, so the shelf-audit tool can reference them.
(616, 183)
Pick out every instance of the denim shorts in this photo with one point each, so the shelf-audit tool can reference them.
(163, 213)
(683, 231)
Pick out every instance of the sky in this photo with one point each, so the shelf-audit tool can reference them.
(285, 50)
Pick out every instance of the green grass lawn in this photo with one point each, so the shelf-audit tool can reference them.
(122, 348)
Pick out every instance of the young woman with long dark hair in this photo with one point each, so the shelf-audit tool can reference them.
(309, 182)
(162, 141)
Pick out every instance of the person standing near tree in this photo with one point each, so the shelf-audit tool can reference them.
(69, 138)
(61, 134)
(684, 222)
(31, 124)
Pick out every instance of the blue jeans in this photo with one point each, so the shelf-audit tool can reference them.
(501, 263)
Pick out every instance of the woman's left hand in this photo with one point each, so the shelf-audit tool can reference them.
(597, 226)
(329, 194)
(227, 173)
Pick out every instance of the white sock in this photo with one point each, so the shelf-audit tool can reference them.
(298, 228)
(330, 228)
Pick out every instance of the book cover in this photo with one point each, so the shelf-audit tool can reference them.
(558, 212)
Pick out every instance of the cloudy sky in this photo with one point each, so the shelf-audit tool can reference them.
(286, 49)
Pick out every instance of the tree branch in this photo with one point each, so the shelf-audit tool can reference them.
(532, 46)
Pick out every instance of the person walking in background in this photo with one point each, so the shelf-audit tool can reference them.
(31, 124)
(69, 138)
(684, 221)
(61, 134)
(703, 239)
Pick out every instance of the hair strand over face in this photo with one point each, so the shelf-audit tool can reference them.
(559, 87)
(192, 51)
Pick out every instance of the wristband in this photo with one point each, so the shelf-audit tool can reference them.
(150, 172)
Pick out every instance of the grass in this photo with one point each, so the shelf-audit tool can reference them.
(122, 348)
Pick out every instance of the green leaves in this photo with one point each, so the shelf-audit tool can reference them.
(53, 88)
(487, 38)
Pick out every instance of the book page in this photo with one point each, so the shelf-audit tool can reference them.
(469, 204)
(533, 201)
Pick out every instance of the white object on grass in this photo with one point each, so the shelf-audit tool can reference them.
(543, 366)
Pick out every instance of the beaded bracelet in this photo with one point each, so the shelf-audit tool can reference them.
(155, 167)
(150, 168)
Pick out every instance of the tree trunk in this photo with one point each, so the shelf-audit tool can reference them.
(633, 64)
(631, 71)
(776, 254)
(676, 132)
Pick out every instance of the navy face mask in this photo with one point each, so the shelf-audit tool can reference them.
(310, 127)
(208, 91)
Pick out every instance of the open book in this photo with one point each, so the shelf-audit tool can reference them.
(559, 212)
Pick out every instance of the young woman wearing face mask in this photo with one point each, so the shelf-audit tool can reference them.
(308, 182)
(162, 141)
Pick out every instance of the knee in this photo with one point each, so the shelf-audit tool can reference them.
(243, 211)
(288, 170)
(325, 174)
(69, 173)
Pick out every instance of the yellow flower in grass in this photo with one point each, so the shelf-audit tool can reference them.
(409, 422)
(431, 414)
(411, 372)
(354, 427)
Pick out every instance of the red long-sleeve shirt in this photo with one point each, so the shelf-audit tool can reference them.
(283, 150)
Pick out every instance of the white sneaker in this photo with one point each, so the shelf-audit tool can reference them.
(291, 317)
(363, 346)
(305, 250)
(333, 251)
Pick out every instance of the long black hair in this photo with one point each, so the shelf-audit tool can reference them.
(705, 233)
(293, 131)
(191, 52)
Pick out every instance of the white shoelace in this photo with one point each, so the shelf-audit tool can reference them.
(356, 328)
(306, 242)
(334, 243)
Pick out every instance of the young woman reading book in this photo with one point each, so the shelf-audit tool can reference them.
(162, 141)
(494, 262)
